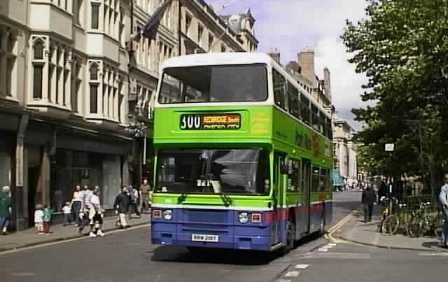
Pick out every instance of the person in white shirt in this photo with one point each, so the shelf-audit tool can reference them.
(39, 219)
(76, 205)
(67, 210)
(96, 215)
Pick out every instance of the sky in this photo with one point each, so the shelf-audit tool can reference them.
(292, 25)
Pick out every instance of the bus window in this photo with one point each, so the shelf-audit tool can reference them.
(279, 90)
(315, 117)
(213, 84)
(305, 108)
(293, 101)
(324, 183)
(315, 179)
(293, 176)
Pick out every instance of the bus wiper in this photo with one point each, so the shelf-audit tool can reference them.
(226, 199)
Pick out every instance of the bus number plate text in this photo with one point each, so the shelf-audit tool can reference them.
(204, 238)
(210, 121)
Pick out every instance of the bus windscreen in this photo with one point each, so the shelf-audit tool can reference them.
(223, 171)
(214, 84)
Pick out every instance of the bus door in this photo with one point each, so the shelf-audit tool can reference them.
(306, 197)
(280, 181)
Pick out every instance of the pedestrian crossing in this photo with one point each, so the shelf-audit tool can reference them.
(306, 260)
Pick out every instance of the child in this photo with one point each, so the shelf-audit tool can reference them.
(47, 213)
(67, 210)
(39, 219)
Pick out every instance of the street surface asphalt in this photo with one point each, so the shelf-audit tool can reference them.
(129, 256)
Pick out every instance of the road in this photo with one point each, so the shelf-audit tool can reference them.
(128, 256)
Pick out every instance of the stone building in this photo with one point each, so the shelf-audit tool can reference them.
(345, 162)
(75, 84)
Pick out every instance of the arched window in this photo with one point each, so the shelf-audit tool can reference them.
(38, 50)
(94, 72)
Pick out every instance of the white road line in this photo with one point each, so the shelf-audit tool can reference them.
(302, 266)
(283, 280)
(434, 254)
(323, 249)
(292, 274)
(332, 244)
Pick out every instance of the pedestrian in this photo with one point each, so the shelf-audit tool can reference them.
(39, 219)
(133, 201)
(76, 205)
(47, 214)
(86, 195)
(96, 215)
(5, 209)
(121, 205)
(67, 210)
(443, 197)
(144, 192)
(367, 200)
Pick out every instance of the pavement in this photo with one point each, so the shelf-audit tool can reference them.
(29, 237)
(355, 230)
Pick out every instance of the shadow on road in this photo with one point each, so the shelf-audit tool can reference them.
(222, 256)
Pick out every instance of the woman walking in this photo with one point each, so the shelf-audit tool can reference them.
(76, 205)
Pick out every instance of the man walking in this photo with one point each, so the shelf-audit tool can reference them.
(367, 200)
(5, 209)
(443, 197)
(121, 205)
(144, 190)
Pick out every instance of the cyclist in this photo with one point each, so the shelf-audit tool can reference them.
(443, 197)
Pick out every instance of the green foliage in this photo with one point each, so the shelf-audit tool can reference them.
(402, 48)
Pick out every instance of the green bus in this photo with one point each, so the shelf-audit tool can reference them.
(242, 155)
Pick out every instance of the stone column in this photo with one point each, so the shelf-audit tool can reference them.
(3, 62)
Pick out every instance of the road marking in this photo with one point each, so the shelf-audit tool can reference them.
(71, 240)
(292, 274)
(23, 274)
(283, 280)
(337, 256)
(302, 266)
(332, 245)
(340, 223)
(438, 254)
(323, 249)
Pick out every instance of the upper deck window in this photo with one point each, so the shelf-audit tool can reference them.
(279, 90)
(213, 84)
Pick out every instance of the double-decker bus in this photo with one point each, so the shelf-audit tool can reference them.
(242, 155)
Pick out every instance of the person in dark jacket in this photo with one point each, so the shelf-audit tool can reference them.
(367, 200)
(121, 205)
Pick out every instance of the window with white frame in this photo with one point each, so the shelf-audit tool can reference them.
(94, 84)
(63, 4)
(38, 64)
(95, 15)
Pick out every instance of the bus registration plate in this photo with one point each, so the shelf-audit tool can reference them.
(204, 238)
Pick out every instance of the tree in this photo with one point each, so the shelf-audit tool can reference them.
(402, 48)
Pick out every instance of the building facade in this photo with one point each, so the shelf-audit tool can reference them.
(345, 162)
(75, 85)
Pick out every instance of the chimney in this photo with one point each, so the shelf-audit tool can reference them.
(305, 58)
(327, 83)
(275, 54)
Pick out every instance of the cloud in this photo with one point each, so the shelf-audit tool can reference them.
(291, 25)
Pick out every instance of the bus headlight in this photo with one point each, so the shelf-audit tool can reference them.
(243, 217)
(167, 214)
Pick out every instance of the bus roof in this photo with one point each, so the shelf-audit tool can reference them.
(204, 59)
(236, 58)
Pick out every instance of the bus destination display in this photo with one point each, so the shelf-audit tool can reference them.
(210, 121)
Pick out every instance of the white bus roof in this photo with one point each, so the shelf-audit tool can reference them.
(235, 58)
(217, 59)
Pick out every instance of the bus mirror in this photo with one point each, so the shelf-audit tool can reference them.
(284, 168)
